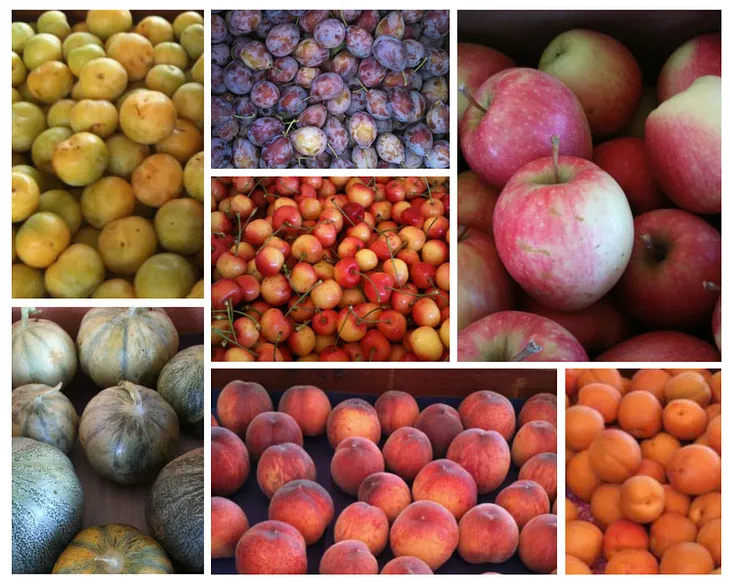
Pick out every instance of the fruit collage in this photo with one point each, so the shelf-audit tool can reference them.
(231, 291)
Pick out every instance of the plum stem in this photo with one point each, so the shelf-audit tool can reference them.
(531, 348)
(556, 153)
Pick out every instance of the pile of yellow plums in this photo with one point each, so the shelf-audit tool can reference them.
(108, 161)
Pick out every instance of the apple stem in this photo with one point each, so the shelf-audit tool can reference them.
(556, 152)
(531, 348)
(646, 240)
(468, 95)
(462, 232)
(711, 286)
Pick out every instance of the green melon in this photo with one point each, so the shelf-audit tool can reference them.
(182, 384)
(45, 414)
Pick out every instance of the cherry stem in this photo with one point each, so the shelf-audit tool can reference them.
(302, 297)
(531, 348)
(556, 153)
(373, 285)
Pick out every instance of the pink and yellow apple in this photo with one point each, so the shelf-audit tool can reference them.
(476, 64)
(476, 201)
(696, 58)
(662, 346)
(634, 128)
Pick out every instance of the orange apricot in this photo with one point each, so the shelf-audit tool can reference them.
(610, 377)
(605, 508)
(584, 541)
(651, 380)
(705, 508)
(582, 425)
(642, 499)
(632, 562)
(684, 419)
(601, 397)
(580, 477)
(710, 537)
(694, 470)
(660, 448)
(686, 558)
(624, 535)
(669, 529)
(640, 414)
(615, 455)
(688, 385)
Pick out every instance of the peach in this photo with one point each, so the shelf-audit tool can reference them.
(213, 421)
(710, 537)
(688, 385)
(684, 419)
(713, 434)
(271, 547)
(425, 530)
(348, 557)
(694, 470)
(669, 529)
(365, 523)
(584, 541)
(632, 562)
(575, 566)
(543, 469)
(309, 406)
(406, 452)
(640, 414)
(686, 558)
(705, 508)
(386, 491)
(281, 464)
(651, 380)
(240, 402)
(305, 505)
(406, 565)
(487, 534)
(269, 429)
(448, 483)
(582, 425)
(541, 406)
(396, 409)
(533, 438)
(353, 417)
(227, 524)
(229, 464)
(603, 398)
(605, 507)
(441, 423)
(571, 510)
(580, 477)
(484, 454)
(538, 547)
(624, 535)
(355, 459)
(642, 499)
(523, 500)
(615, 455)
(660, 448)
(489, 411)
(674, 501)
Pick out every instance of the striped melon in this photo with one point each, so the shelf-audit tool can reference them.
(113, 549)
(175, 511)
(42, 352)
(45, 414)
(128, 433)
(182, 384)
(131, 344)
(48, 503)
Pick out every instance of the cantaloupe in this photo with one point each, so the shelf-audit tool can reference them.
(182, 385)
(45, 414)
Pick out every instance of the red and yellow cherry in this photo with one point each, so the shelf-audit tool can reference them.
(325, 322)
(258, 231)
(302, 277)
(307, 248)
(423, 275)
(375, 347)
(326, 295)
(269, 261)
(224, 293)
(435, 252)
(392, 324)
(276, 290)
(378, 287)
(231, 266)
(301, 341)
(397, 269)
(250, 287)
(347, 272)
(246, 331)
(426, 312)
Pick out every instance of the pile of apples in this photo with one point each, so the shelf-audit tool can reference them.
(330, 269)
(589, 214)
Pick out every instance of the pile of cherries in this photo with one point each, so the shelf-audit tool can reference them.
(330, 89)
(330, 269)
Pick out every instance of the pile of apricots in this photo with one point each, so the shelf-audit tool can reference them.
(643, 454)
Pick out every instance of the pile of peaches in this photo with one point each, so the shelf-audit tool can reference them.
(644, 472)
(417, 480)
(330, 269)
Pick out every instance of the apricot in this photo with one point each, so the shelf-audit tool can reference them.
(642, 499)
(267, 540)
(425, 530)
(713, 434)
(686, 558)
(582, 425)
(406, 565)
(543, 469)
(603, 398)
(484, 454)
(674, 501)
(624, 535)
(716, 386)
(541, 406)
(652, 469)
(305, 505)
(688, 385)
(575, 566)
(396, 409)
(710, 537)
(406, 452)
(713, 410)
(632, 562)
(309, 406)
(365, 523)
(610, 377)
(684, 419)
(448, 483)
(386, 491)
(487, 534)
(353, 417)
(538, 547)
(705, 508)
(669, 529)
(651, 380)
(571, 511)
(584, 541)
(523, 500)
(615, 455)
(605, 507)
(660, 448)
(270, 428)
(348, 557)
(580, 477)
(694, 470)
(533, 438)
(489, 411)
(640, 414)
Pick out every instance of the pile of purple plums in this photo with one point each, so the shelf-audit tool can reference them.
(330, 89)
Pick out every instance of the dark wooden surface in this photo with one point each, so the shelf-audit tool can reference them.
(418, 382)
(74, 16)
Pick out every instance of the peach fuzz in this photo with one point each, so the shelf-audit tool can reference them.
(305, 505)
(686, 558)
(688, 385)
(642, 499)
(624, 535)
(448, 483)
(271, 547)
(396, 409)
(575, 566)
(425, 530)
(533, 438)
(605, 507)
(309, 406)
(523, 500)
(669, 529)
(354, 460)
(406, 565)
(705, 508)
(615, 455)
(441, 423)
(386, 491)
(684, 419)
(582, 425)
(580, 477)
(353, 417)
(281, 464)
(651, 380)
(660, 448)
(365, 523)
(543, 469)
(488, 410)
(269, 429)
(227, 524)
(674, 501)
(694, 470)
(640, 414)
(240, 402)
(484, 454)
(406, 452)
(348, 557)
(538, 547)
(603, 398)
(710, 537)
(229, 464)
(541, 406)
(487, 534)
(632, 562)
(584, 541)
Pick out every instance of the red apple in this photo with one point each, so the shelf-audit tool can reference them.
(662, 346)
(603, 73)
(696, 58)
(518, 336)
(625, 159)
(717, 323)
(683, 142)
(484, 285)
(515, 114)
(634, 128)
(675, 254)
(475, 65)
(476, 201)
(564, 231)
(598, 327)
